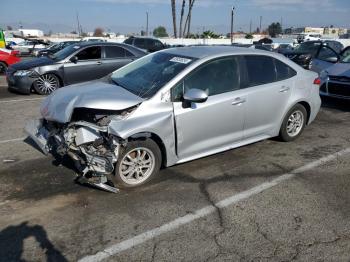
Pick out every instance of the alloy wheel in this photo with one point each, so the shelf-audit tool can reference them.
(295, 123)
(47, 83)
(137, 165)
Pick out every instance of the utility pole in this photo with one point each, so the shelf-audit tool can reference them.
(250, 26)
(79, 26)
(232, 13)
(260, 23)
(146, 23)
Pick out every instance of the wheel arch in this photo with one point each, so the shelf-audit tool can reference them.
(307, 107)
(156, 139)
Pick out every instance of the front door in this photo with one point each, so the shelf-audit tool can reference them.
(325, 58)
(88, 67)
(205, 128)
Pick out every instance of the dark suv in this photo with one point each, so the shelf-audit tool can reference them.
(84, 61)
(145, 43)
(310, 50)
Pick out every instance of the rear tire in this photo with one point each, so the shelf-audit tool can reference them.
(138, 163)
(293, 123)
(46, 84)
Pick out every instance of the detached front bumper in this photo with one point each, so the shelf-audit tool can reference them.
(39, 134)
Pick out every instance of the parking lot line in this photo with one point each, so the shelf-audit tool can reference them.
(21, 100)
(12, 140)
(200, 213)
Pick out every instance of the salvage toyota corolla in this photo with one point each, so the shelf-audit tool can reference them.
(174, 106)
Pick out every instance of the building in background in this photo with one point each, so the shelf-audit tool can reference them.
(31, 32)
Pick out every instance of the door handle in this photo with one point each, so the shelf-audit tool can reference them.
(284, 89)
(238, 101)
(99, 62)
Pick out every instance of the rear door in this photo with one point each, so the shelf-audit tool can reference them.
(114, 58)
(325, 58)
(88, 67)
(268, 84)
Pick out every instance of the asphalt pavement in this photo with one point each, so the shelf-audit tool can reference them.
(268, 201)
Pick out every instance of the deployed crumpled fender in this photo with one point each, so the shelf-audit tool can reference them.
(156, 119)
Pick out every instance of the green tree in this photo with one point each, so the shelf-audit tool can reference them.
(98, 31)
(249, 36)
(274, 29)
(160, 31)
(209, 34)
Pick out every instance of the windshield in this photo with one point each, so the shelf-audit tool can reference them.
(308, 47)
(62, 54)
(148, 75)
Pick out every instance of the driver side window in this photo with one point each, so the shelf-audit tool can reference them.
(90, 53)
(215, 77)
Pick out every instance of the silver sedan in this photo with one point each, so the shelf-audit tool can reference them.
(175, 106)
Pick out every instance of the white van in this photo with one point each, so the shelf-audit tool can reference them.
(308, 37)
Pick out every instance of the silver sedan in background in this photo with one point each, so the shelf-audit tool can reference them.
(174, 106)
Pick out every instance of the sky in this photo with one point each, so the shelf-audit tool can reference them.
(126, 16)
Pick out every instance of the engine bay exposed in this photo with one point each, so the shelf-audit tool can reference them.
(87, 142)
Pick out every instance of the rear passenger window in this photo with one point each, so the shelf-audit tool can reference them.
(216, 77)
(283, 71)
(140, 42)
(114, 51)
(260, 70)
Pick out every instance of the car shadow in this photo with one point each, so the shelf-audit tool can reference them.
(335, 103)
(12, 242)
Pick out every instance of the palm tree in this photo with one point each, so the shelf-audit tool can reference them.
(182, 16)
(173, 9)
(188, 19)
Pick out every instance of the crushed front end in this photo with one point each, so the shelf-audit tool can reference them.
(93, 150)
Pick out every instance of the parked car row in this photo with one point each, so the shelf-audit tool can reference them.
(8, 58)
(83, 61)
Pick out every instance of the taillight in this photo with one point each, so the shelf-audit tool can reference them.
(317, 81)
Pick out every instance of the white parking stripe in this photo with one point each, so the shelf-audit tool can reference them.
(139, 239)
(21, 100)
(12, 140)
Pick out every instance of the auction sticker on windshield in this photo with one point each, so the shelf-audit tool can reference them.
(181, 60)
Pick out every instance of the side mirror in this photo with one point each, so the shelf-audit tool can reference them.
(74, 59)
(332, 59)
(196, 96)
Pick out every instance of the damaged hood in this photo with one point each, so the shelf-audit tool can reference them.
(60, 105)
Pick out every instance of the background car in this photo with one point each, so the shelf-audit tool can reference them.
(146, 43)
(76, 63)
(335, 80)
(54, 48)
(307, 51)
(27, 47)
(7, 58)
(327, 58)
(308, 37)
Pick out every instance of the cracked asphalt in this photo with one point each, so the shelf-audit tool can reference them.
(46, 216)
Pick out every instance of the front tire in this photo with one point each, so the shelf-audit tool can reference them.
(46, 84)
(293, 123)
(3, 68)
(138, 163)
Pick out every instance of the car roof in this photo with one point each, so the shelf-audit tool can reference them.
(200, 52)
